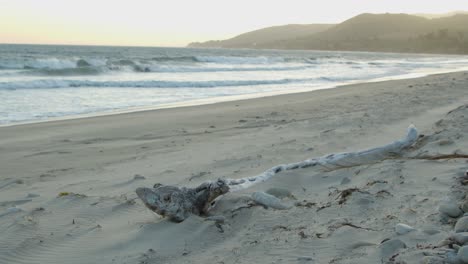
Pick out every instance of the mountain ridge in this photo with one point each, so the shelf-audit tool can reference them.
(265, 35)
(365, 32)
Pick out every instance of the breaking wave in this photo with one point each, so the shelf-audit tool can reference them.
(95, 66)
(54, 83)
(38, 82)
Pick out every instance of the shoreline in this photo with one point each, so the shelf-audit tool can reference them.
(67, 188)
(220, 48)
(233, 98)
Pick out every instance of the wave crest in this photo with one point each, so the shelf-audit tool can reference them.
(54, 83)
(91, 66)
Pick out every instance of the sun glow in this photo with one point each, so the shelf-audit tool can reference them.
(177, 22)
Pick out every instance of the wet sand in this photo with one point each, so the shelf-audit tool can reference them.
(67, 187)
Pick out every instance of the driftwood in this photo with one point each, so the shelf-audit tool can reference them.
(178, 203)
(441, 156)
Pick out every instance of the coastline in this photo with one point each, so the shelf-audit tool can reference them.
(221, 99)
(73, 181)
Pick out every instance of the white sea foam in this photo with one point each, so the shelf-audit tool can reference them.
(53, 65)
(239, 60)
(166, 68)
(38, 82)
(38, 63)
(54, 83)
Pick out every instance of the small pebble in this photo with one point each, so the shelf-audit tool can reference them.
(345, 180)
(432, 260)
(461, 238)
(431, 231)
(464, 206)
(361, 244)
(463, 254)
(445, 219)
(445, 242)
(390, 247)
(138, 177)
(462, 225)
(269, 201)
(402, 229)
(452, 258)
(450, 209)
(445, 142)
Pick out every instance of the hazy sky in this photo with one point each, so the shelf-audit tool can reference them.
(177, 22)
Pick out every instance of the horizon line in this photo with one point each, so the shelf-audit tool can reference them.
(422, 15)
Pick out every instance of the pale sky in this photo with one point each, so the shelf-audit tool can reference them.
(178, 22)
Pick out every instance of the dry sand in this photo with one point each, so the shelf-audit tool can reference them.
(67, 187)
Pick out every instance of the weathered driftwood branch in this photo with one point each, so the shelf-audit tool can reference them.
(333, 161)
(441, 156)
(177, 203)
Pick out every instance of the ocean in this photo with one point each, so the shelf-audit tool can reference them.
(42, 82)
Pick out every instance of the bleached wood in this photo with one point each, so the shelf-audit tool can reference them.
(178, 203)
(332, 161)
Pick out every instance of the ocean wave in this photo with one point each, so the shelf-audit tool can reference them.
(175, 59)
(199, 63)
(50, 63)
(239, 60)
(53, 63)
(164, 68)
(11, 73)
(54, 83)
(67, 71)
(146, 69)
(88, 65)
(253, 60)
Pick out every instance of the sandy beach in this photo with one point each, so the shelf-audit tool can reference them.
(67, 188)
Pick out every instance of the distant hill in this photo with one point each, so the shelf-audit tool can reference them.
(365, 32)
(263, 37)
